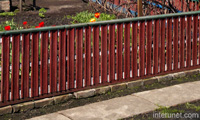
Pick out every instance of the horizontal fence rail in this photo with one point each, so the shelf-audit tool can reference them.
(50, 61)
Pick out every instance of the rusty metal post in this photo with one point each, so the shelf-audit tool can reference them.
(139, 4)
(20, 5)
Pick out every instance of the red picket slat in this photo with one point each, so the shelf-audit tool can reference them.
(149, 46)
(162, 51)
(134, 49)
(70, 83)
(53, 61)
(199, 41)
(155, 46)
(194, 46)
(87, 66)
(169, 44)
(70, 65)
(15, 67)
(25, 65)
(175, 44)
(62, 60)
(104, 53)
(182, 42)
(79, 58)
(142, 48)
(119, 50)
(5, 68)
(44, 63)
(188, 37)
(112, 53)
(127, 51)
(34, 64)
(96, 55)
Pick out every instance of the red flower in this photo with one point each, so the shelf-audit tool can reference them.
(97, 15)
(41, 24)
(25, 22)
(37, 26)
(53, 25)
(7, 27)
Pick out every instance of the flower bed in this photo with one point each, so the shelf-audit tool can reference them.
(57, 14)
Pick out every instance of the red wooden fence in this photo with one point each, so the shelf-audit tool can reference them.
(45, 62)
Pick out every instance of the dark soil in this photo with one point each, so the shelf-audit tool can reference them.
(80, 102)
(57, 11)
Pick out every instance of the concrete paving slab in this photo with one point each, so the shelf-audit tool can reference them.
(130, 105)
(111, 109)
(52, 116)
(172, 95)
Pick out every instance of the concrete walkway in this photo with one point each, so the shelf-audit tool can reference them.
(130, 105)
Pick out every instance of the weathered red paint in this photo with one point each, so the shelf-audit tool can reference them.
(104, 53)
(44, 63)
(25, 65)
(87, 67)
(127, 51)
(96, 55)
(62, 60)
(119, 51)
(15, 67)
(142, 48)
(149, 47)
(112, 52)
(34, 64)
(79, 58)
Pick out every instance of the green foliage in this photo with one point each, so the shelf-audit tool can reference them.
(8, 14)
(192, 106)
(16, 11)
(42, 11)
(85, 16)
(10, 23)
(104, 16)
(164, 110)
(82, 17)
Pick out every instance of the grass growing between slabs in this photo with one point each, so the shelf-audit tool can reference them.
(188, 111)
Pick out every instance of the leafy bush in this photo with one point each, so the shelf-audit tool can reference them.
(41, 12)
(7, 14)
(85, 16)
(10, 23)
(105, 16)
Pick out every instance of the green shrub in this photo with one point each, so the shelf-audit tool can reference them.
(42, 11)
(8, 14)
(85, 16)
(104, 16)
(10, 23)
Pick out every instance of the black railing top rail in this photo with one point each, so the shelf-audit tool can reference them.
(99, 23)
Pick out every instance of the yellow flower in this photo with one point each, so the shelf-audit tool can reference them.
(93, 20)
